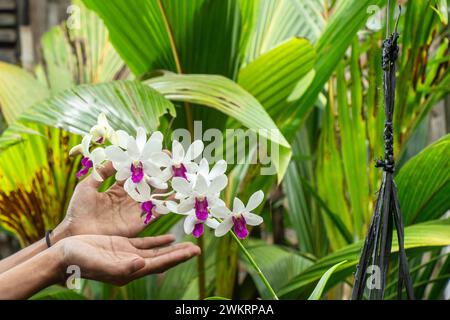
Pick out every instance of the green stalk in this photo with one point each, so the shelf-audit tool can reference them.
(255, 266)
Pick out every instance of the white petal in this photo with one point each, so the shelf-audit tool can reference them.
(177, 152)
(238, 206)
(201, 185)
(144, 189)
(115, 154)
(218, 184)
(252, 219)
(161, 159)
(136, 196)
(189, 223)
(203, 167)
(123, 173)
(111, 135)
(217, 202)
(152, 146)
(172, 206)
(101, 120)
(220, 212)
(157, 183)
(96, 175)
(85, 143)
(132, 149)
(157, 135)
(186, 205)
(122, 138)
(255, 200)
(129, 186)
(194, 150)
(98, 156)
(141, 138)
(151, 169)
(161, 209)
(212, 223)
(166, 174)
(224, 227)
(191, 167)
(181, 185)
(219, 168)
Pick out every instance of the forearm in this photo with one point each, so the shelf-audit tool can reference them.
(29, 252)
(31, 276)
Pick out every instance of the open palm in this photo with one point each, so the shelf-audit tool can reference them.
(119, 260)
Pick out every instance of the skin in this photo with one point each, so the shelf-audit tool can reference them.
(96, 235)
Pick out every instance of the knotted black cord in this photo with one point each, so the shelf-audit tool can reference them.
(378, 242)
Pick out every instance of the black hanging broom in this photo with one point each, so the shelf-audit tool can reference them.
(377, 246)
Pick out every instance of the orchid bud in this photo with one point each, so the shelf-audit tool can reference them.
(76, 151)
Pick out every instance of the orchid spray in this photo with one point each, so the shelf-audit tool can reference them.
(192, 189)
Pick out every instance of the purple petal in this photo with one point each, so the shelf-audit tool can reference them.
(148, 217)
(179, 171)
(82, 172)
(240, 227)
(147, 206)
(86, 162)
(198, 230)
(137, 173)
(201, 209)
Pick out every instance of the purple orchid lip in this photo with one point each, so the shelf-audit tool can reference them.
(147, 207)
(100, 140)
(86, 163)
(179, 171)
(201, 209)
(198, 230)
(137, 172)
(240, 227)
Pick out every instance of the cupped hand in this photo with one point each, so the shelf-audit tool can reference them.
(119, 260)
(112, 212)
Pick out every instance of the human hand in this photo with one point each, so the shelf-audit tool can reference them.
(112, 212)
(119, 260)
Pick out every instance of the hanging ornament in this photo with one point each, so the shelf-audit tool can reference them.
(377, 246)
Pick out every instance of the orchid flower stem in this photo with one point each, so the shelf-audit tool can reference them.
(163, 194)
(255, 266)
(201, 270)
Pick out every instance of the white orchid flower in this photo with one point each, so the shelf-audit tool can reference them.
(134, 166)
(198, 195)
(90, 160)
(180, 163)
(149, 204)
(102, 130)
(239, 217)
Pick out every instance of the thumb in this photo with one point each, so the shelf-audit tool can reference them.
(135, 264)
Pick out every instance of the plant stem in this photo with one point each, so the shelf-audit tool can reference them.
(201, 271)
(255, 266)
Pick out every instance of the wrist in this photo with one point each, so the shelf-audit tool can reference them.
(61, 232)
(58, 264)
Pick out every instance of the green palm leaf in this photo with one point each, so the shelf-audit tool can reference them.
(424, 183)
(127, 105)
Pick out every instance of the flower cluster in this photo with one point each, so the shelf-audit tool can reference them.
(165, 181)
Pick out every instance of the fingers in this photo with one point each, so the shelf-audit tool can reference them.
(165, 261)
(151, 242)
(151, 253)
(105, 172)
